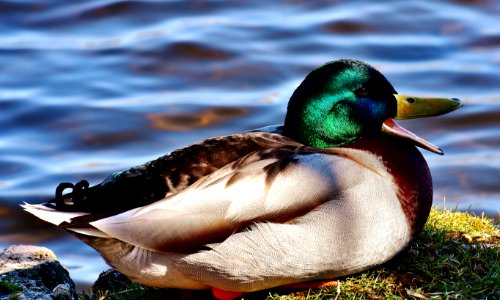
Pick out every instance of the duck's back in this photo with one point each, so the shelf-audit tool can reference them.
(171, 173)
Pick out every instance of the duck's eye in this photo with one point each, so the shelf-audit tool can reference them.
(361, 92)
(410, 100)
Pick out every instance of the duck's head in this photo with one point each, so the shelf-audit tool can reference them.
(346, 100)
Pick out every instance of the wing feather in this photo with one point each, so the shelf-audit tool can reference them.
(49, 214)
(243, 194)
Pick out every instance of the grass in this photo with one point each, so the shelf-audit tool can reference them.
(457, 256)
(7, 287)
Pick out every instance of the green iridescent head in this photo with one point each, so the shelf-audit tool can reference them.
(338, 103)
(345, 100)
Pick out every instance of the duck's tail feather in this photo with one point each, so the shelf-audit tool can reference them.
(48, 213)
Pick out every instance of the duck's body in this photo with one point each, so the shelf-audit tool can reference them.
(259, 209)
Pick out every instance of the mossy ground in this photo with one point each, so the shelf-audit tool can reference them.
(457, 256)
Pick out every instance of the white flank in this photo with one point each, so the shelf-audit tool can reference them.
(156, 270)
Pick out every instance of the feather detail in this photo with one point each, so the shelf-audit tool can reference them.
(49, 214)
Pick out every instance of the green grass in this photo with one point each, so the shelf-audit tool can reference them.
(7, 287)
(457, 256)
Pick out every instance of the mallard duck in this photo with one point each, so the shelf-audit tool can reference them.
(337, 189)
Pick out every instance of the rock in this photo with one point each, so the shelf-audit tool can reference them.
(111, 280)
(33, 272)
(62, 292)
(112, 283)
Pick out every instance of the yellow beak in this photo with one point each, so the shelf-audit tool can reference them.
(410, 107)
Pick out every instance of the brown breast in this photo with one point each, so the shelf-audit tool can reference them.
(411, 174)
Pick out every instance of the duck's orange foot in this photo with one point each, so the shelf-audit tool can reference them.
(310, 285)
(225, 295)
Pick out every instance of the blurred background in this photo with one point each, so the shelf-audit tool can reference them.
(91, 87)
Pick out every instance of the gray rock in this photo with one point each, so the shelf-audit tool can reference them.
(62, 292)
(33, 272)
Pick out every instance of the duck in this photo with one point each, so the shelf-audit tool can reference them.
(337, 189)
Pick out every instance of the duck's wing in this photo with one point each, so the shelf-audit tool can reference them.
(183, 167)
(169, 174)
(274, 185)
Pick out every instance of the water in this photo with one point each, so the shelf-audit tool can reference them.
(91, 87)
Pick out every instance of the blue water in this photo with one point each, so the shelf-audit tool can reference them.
(91, 87)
